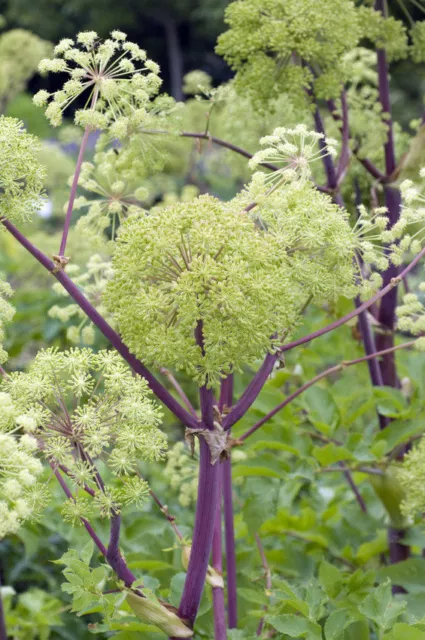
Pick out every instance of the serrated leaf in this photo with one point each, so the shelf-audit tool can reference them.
(409, 574)
(331, 453)
(381, 607)
(295, 626)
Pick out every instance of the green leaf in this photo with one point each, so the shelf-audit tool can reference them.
(336, 624)
(399, 431)
(252, 595)
(404, 631)
(322, 410)
(86, 552)
(409, 574)
(380, 606)
(389, 401)
(244, 471)
(331, 453)
(330, 578)
(374, 547)
(295, 626)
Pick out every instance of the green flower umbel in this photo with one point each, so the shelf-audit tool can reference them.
(116, 78)
(207, 262)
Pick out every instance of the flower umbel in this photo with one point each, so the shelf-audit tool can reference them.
(116, 77)
(82, 407)
(292, 151)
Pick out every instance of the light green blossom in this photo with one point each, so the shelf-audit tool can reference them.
(115, 76)
(82, 407)
(243, 278)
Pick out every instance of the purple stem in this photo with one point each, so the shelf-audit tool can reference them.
(345, 131)
(220, 631)
(158, 389)
(229, 530)
(387, 310)
(226, 400)
(73, 193)
(103, 550)
(251, 392)
(113, 554)
(3, 629)
(206, 510)
(327, 159)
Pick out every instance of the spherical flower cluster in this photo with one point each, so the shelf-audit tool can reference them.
(81, 407)
(6, 314)
(266, 36)
(115, 76)
(21, 175)
(244, 279)
(92, 283)
(292, 151)
(22, 494)
(112, 201)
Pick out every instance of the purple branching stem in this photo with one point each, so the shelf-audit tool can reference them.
(267, 576)
(251, 392)
(335, 369)
(3, 628)
(214, 140)
(387, 311)
(226, 401)
(368, 165)
(344, 158)
(113, 555)
(103, 550)
(220, 630)
(328, 163)
(179, 391)
(158, 389)
(229, 532)
(171, 519)
(206, 508)
(73, 192)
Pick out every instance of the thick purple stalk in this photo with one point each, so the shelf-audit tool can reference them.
(220, 630)
(73, 193)
(232, 601)
(226, 400)
(113, 554)
(251, 392)
(206, 510)
(3, 629)
(158, 389)
(387, 310)
(327, 159)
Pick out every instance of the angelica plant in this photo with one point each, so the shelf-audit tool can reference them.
(207, 290)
